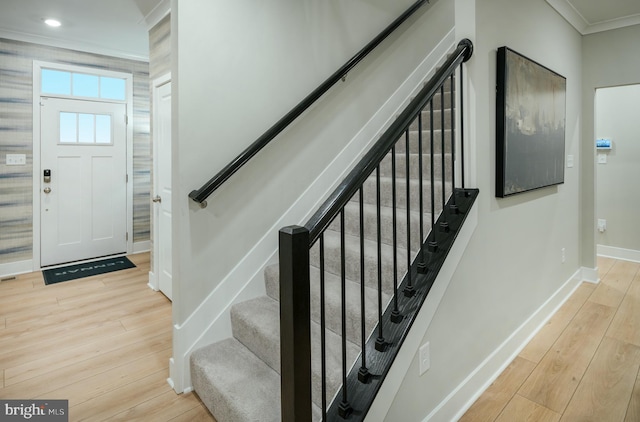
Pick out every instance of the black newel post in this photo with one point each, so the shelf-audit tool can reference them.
(295, 330)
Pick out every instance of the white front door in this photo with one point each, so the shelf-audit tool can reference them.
(83, 195)
(162, 167)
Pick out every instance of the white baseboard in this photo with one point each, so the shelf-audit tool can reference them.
(467, 392)
(590, 275)
(153, 281)
(139, 247)
(619, 253)
(246, 279)
(14, 268)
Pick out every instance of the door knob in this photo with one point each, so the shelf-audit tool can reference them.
(157, 199)
(47, 189)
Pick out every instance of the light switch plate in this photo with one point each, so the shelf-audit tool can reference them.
(569, 161)
(602, 158)
(16, 159)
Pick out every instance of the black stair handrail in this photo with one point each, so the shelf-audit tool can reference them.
(200, 195)
(361, 383)
(356, 178)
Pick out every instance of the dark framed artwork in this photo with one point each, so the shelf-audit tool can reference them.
(530, 125)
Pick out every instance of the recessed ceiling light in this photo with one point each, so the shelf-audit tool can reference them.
(52, 22)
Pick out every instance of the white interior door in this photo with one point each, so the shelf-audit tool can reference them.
(83, 195)
(162, 168)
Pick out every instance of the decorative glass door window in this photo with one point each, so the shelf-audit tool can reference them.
(84, 85)
(85, 128)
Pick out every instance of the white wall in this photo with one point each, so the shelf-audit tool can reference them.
(512, 265)
(238, 67)
(618, 180)
(610, 58)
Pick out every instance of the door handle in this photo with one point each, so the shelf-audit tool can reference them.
(47, 190)
(157, 199)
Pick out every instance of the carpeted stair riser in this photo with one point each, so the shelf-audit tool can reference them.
(333, 301)
(352, 260)
(352, 224)
(235, 385)
(437, 119)
(386, 197)
(256, 324)
(414, 166)
(414, 137)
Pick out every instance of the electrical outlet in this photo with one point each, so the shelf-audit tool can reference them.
(425, 358)
(564, 255)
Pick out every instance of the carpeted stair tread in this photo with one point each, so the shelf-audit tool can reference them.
(414, 136)
(437, 119)
(370, 214)
(235, 385)
(386, 198)
(333, 315)
(414, 166)
(256, 324)
(352, 260)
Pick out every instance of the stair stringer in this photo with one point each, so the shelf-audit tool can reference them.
(412, 341)
(210, 322)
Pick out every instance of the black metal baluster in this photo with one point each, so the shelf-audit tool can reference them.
(380, 343)
(396, 317)
(433, 243)
(323, 341)
(454, 207)
(409, 290)
(363, 373)
(462, 124)
(444, 225)
(422, 265)
(344, 408)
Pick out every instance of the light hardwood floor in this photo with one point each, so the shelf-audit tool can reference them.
(102, 342)
(584, 363)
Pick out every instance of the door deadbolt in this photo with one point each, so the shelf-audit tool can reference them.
(47, 176)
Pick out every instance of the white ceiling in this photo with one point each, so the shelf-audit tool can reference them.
(113, 27)
(120, 27)
(590, 16)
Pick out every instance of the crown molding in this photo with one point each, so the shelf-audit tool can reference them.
(584, 27)
(71, 45)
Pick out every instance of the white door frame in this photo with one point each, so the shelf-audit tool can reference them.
(37, 67)
(154, 282)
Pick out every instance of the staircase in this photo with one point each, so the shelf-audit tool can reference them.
(358, 268)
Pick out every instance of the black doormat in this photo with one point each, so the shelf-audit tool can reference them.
(72, 272)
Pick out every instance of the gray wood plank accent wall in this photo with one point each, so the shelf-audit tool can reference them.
(16, 137)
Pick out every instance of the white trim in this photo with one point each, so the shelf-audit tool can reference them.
(618, 253)
(590, 275)
(14, 268)
(37, 66)
(584, 27)
(143, 246)
(162, 9)
(153, 282)
(81, 46)
(468, 391)
(199, 329)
